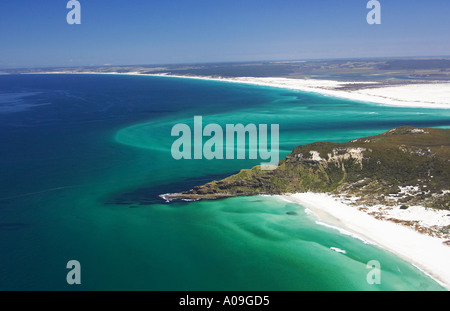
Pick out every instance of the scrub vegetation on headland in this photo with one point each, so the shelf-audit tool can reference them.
(405, 166)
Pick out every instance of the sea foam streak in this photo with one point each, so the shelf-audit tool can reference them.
(343, 231)
(426, 252)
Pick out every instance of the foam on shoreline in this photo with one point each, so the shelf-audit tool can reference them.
(427, 253)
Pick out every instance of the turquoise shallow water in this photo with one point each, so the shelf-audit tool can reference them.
(84, 158)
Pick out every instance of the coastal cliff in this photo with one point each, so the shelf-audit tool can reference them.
(403, 166)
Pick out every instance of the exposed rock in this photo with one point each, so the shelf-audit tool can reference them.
(403, 166)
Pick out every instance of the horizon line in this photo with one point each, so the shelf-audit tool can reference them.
(231, 62)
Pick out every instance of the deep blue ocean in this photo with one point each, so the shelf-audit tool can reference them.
(83, 159)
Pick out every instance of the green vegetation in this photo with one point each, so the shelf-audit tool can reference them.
(403, 166)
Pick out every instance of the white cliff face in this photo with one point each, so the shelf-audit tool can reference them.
(338, 155)
(315, 156)
(418, 131)
(347, 153)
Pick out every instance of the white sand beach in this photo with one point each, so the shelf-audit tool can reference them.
(428, 253)
(426, 95)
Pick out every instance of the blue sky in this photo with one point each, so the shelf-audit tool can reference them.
(34, 33)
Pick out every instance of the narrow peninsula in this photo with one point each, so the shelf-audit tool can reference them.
(404, 169)
(407, 164)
